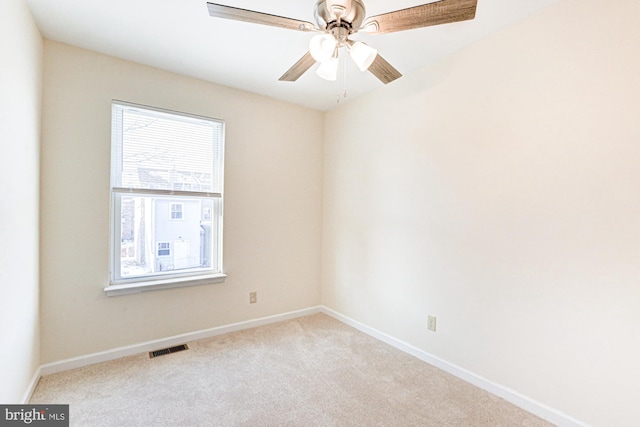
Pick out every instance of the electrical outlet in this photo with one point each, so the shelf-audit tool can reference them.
(431, 323)
(253, 297)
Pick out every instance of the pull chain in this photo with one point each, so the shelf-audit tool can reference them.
(344, 76)
(344, 94)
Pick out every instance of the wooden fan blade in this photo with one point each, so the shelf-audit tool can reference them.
(228, 12)
(440, 12)
(298, 69)
(383, 70)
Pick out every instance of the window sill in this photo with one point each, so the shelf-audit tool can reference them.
(154, 285)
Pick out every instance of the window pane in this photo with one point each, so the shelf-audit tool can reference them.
(152, 243)
(166, 151)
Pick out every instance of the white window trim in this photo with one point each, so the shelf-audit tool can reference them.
(169, 248)
(131, 286)
(154, 285)
(171, 205)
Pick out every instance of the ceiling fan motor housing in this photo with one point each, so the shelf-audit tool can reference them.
(347, 14)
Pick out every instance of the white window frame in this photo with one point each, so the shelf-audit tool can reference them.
(171, 211)
(119, 285)
(160, 246)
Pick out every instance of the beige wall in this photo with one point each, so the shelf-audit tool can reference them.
(496, 190)
(272, 206)
(500, 191)
(20, 102)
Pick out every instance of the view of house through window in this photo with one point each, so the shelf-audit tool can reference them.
(166, 185)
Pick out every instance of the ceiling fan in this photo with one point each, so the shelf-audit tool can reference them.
(337, 20)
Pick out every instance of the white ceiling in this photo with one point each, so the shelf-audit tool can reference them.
(180, 36)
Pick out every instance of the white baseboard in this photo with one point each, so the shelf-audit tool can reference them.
(543, 411)
(90, 359)
(32, 386)
(530, 405)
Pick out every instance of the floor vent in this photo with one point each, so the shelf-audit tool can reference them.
(169, 350)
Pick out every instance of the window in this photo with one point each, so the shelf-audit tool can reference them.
(166, 192)
(176, 211)
(164, 248)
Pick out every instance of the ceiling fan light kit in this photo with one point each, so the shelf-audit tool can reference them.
(337, 20)
(322, 47)
(328, 69)
(362, 54)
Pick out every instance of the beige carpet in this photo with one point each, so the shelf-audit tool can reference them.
(311, 371)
